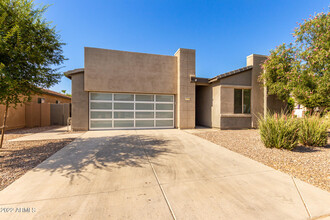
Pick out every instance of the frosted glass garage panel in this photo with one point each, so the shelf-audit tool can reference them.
(164, 98)
(103, 115)
(164, 114)
(144, 106)
(123, 114)
(144, 123)
(145, 98)
(123, 106)
(101, 96)
(101, 124)
(101, 105)
(164, 123)
(124, 124)
(124, 97)
(164, 106)
(144, 115)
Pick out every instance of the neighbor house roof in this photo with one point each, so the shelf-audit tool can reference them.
(218, 77)
(50, 92)
(72, 72)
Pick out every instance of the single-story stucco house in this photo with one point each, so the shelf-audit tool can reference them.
(122, 90)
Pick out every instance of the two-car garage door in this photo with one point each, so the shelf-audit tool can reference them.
(122, 110)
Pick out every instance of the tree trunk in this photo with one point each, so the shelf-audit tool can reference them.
(4, 125)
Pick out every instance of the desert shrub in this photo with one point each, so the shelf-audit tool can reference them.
(313, 131)
(279, 131)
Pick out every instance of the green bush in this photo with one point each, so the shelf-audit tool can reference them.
(279, 131)
(313, 131)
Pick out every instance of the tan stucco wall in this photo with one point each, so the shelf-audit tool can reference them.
(79, 103)
(37, 115)
(185, 89)
(31, 114)
(257, 93)
(235, 122)
(227, 100)
(15, 117)
(121, 71)
(216, 106)
(228, 119)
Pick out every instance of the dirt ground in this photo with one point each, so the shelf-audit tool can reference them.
(16, 158)
(310, 164)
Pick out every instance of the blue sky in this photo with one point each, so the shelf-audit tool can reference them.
(222, 32)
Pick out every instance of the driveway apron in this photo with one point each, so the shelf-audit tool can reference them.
(157, 174)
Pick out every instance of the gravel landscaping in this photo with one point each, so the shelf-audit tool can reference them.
(310, 164)
(16, 158)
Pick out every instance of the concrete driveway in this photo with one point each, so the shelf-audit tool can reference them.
(157, 174)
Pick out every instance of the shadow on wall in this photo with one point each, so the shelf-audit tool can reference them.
(106, 153)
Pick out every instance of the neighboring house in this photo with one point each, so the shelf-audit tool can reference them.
(122, 90)
(299, 110)
(35, 113)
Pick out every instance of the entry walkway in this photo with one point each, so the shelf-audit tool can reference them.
(53, 134)
(157, 174)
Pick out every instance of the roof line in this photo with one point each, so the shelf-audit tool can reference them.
(233, 72)
(69, 73)
(50, 92)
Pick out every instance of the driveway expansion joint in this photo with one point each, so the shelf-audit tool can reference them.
(155, 174)
(302, 199)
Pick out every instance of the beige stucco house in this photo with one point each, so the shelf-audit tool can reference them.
(122, 90)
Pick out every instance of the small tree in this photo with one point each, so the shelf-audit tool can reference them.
(302, 69)
(29, 47)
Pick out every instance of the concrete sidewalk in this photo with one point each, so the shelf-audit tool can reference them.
(157, 174)
(53, 134)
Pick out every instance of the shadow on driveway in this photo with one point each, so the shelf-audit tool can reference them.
(107, 153)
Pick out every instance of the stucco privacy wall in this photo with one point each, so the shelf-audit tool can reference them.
(15, 117)
(37, 114)
(121, 71)
(257, 93)
(79, 103)
(185, 113)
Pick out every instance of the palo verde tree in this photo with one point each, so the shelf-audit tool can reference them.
(301, 69)
(29, 48)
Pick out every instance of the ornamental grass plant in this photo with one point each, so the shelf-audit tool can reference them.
(313, 131)
(279, 131)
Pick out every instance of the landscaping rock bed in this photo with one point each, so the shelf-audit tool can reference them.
(16, 158)
(310, 164)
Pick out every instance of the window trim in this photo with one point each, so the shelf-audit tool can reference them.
(242, 110)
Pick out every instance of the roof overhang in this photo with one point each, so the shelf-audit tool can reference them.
(69, 73)
(199, 80)
(205, 81)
